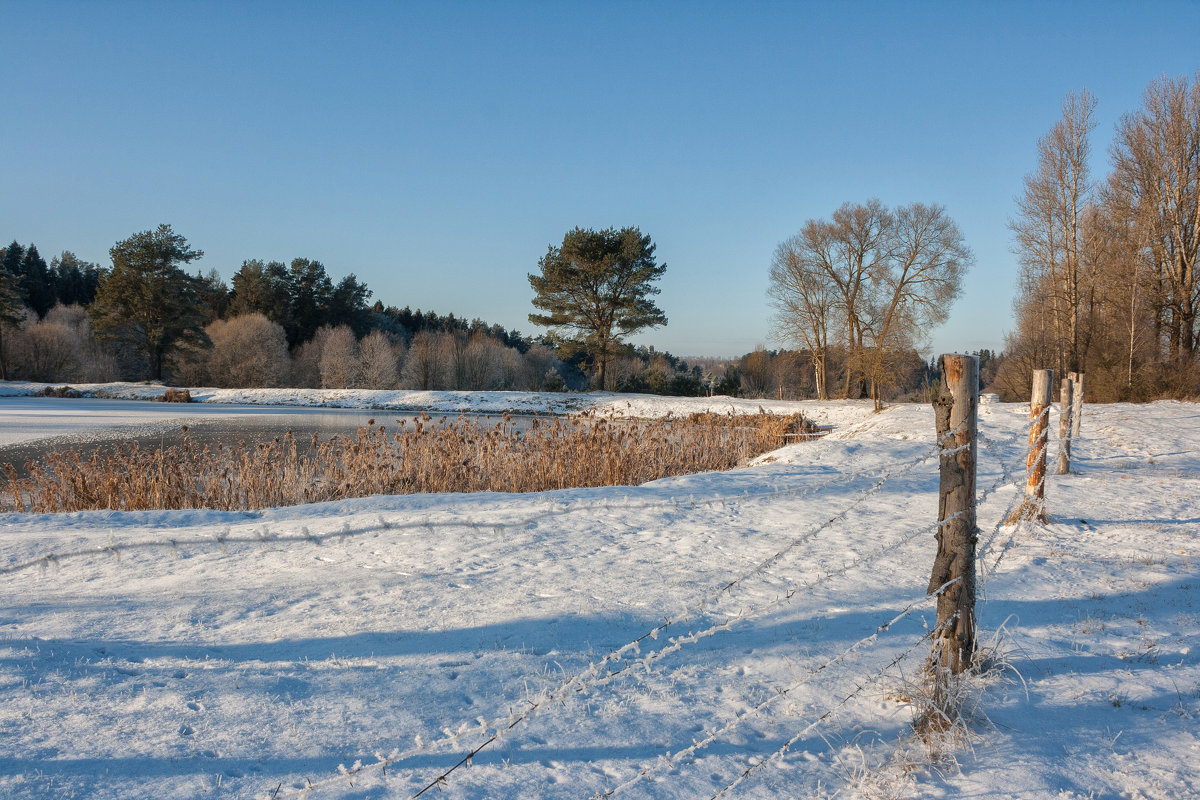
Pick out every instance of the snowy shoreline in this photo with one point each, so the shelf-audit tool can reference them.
(110, 409)
(414, 400)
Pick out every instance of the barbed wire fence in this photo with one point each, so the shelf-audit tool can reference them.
(597, 672)
(619, 661)
(592, 677)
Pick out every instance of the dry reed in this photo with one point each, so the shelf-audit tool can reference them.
(462, 455)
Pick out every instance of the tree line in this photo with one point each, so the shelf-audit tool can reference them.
(276, 324)
(292, 324)
(1109, 283)
(1108, 286)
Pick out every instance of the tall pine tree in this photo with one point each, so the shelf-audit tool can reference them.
(595, 289)
(11, 310)
(147, 300)
(37, 284)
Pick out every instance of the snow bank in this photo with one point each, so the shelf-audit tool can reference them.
(630, 405)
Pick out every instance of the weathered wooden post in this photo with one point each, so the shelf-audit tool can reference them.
(1076, 404)
(1034, 504)
(1064, 424)
(956, 409)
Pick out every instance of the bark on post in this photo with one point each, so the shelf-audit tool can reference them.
(1066, 409)
(956, 409)
(1034, 504)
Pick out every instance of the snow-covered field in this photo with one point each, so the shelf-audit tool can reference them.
(760, 627)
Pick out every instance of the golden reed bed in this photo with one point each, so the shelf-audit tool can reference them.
(463, 455)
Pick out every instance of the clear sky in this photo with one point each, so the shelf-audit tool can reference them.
(436, 149)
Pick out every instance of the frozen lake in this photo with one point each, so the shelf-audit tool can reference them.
(29, 426)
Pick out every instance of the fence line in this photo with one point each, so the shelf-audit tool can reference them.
(579, 682)
(1007, 477)
(592, 675)
(676, 644)
(859, 689)
(738, 719)
(746, 713)
(1012, 515)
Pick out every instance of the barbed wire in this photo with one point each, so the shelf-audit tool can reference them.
(579, 683)
(859, 689)
(592, 675)
(668, 759)
(1004, 479)
(1023, 520)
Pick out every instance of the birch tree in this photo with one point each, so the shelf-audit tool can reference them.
(1048, 228)
(1156, 185)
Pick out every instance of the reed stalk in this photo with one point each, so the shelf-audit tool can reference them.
(461, 455)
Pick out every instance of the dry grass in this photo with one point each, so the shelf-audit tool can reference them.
(59, 391)
(463, 455)
(175, 396)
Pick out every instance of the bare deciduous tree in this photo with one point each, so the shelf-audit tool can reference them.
(1050, 240)
(912, 288)
(59, 347)
(341, 367)
(804, 296)
(306, 359)
(248, 351)
(1109, 283)
(480, 361)
(45, 351)
(381, 359)
(859, 244)
(885, 277)
(1156, 185)
(424, 367)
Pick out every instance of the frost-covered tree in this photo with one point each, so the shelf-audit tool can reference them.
(425, 366)
(248, 351)
(381, 358)
(341, 367)
(306, 360)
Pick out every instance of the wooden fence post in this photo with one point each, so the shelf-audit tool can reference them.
(1066, 408)
(1034, 504)
(1076, 403)
(956, 409)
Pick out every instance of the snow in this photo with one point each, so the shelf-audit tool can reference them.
(362, 648)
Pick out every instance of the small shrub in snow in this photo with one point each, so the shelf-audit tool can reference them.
(175, 396)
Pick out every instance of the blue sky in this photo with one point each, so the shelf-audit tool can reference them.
(436, 149)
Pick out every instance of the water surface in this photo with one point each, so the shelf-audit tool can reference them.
(116, 423)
